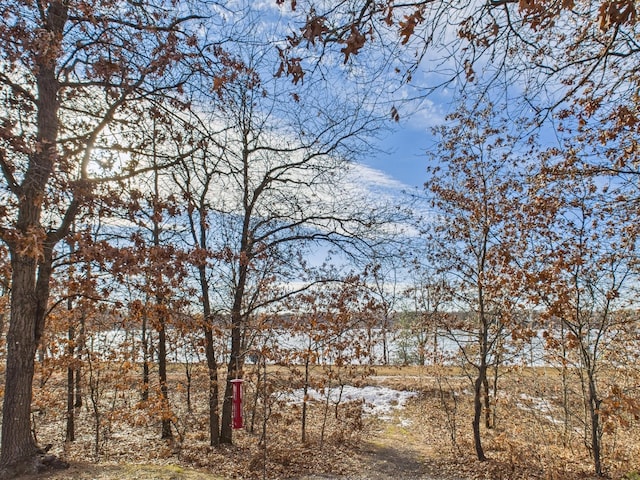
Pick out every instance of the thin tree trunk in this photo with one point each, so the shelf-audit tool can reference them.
(565, 386)
(70, 432)
(71, 337)
(80, 349)
(494, 409)
(305, 392)
(385, 341)
(596, 434)
(145, 359)
(265, 418)
(479, 383)
(234, 370)
(325, 414)
(212, 368)
(187, 373)
(236, 359)
(487, 402)
(477, 413)
(162, 373)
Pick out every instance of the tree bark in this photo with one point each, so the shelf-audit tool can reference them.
(234, 369)
(487, 403)
(70, 433)
(236, 359)
(212, 367)
(162, 373)
(145, 359)
(596, 433)
(305, 392)
(80, 349)
(477, 413)
(18, 443)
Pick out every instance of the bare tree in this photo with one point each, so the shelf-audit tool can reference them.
(281, 189)
(196, 180)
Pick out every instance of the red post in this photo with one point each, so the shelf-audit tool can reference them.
(237, 403)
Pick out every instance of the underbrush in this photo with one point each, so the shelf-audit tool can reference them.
(529, 438)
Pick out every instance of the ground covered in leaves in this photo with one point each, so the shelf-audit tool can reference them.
(429, 438)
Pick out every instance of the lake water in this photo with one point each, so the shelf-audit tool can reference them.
(354, 347)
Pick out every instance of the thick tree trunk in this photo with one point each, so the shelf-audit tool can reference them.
(29, 296)
(18, 443)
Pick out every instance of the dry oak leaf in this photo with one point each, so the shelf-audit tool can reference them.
(408, 26)
(354, 43)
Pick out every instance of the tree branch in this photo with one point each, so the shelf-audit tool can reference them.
(7, 171)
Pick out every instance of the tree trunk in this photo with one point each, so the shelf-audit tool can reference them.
(212, 367)
(305, 392)
(188, 376)
(70, 433)
(80, 349)
(477, 413)
(487, 402)
(31, 259)
(212, 364)
(494, 407)
(18, 443)
(234, 370)
(162, 373)
(166, 432)
(29, 297)
(236, 359)
(145, 359)
(596, 433)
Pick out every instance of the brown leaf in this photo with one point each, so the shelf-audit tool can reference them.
(354, 43)
(408, 26)
(314, 29)
(394, 114)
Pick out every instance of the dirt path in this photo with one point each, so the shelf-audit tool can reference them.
(394, 463)
(392, 452)
(384, 463)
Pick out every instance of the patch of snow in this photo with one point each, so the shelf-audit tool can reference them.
(406, 422)
(375, 400)
(538, 404)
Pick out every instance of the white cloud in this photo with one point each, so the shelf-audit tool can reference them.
(374, 180)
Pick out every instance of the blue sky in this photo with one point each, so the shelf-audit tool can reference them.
(402, 149)
(404, 157)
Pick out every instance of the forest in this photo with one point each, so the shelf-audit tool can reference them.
(187, 218)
